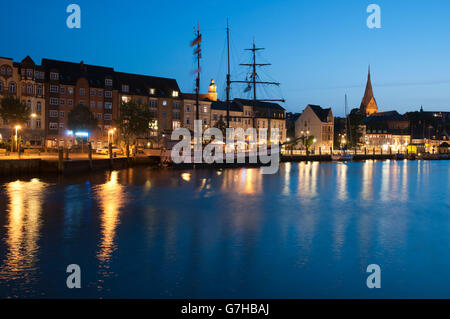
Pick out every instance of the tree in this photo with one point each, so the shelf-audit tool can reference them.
(355, 120)
(14, 112)
(134, 120)
(80, 118)
(221, 125)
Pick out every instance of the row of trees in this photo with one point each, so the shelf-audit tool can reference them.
(133, 121)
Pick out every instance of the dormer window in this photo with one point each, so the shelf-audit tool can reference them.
(108, 82)
(125, 88)
(175, 94)
(3, 70)
(9, 71)
(53, 76)
(151, 91)
(30, 73)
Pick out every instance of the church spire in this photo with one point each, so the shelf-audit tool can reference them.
(368, 103)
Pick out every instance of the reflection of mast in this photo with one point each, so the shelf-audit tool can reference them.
(228, 75)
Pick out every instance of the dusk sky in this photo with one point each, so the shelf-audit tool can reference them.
(319, 50)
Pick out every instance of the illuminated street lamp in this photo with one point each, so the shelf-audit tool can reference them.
(111, 133)
(17, 127)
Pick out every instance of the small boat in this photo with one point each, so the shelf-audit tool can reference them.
(342, 157)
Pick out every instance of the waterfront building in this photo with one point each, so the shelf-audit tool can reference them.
(190, 110)
(387, 131)
(25, 81)
(161, 95)
(69, 84)
(317, 122)
(368, 104)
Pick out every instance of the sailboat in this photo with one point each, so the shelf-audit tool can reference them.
(344, 157)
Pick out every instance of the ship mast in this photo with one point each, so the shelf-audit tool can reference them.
(197, 80)
(253, 81)
(228, 76)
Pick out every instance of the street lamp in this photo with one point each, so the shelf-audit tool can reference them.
(17, 127)
(111, 132)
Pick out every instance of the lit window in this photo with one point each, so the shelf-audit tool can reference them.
(70, 90)
(53, 113)
(12, 87)
(152, 91)
(164, 103)
(175, 93)
(53, 126)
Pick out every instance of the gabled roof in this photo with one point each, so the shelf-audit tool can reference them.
(70, 72)
(321, 113)
(261, 104)
(222, 105)
(192, 96)
(140, 84)
(390, 116)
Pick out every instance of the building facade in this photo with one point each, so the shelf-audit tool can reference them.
(25, 81)
(318, 123)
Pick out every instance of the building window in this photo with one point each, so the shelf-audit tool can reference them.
(187, 120)
(38, 123)
(153, 103)
(62, 90)
(92, 92)
(53, 76)
(92, 104)
(108, 82)
(205, 109)
(99, 93)
(53, 101)
(39, 90)
(1, 86)
(53, 126)
(61, 125)
(3, 70)
(188, 108)
(151, 91)
(38, 107)
(70, 90)
(70, 102)
(82, 91)
(30, 73)
(215, 117)
(54, 88)
(53, 113)
(99, 116)
(100, 104)
(62, 101)
(29, 89)
(108, 106)
(125, 88)
(175, 94)
(176, 105)
(61, 114)
(108, 94)
(12, 87)
(163, 113)
(108, 117)
(164, 103)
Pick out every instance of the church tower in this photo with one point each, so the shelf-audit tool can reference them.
(368, 103)
(212, 91)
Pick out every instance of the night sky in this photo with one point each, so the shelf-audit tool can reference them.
(320, 50)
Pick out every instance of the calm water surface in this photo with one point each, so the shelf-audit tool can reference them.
(307, 232)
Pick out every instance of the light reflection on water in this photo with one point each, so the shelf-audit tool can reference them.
(308, 231)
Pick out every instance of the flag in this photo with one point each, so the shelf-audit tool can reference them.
(196, 71)
(196, 41)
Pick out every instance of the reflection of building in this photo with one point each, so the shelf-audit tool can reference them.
(24, 80)
(387, 130)
(368, 104)
(318, 123)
